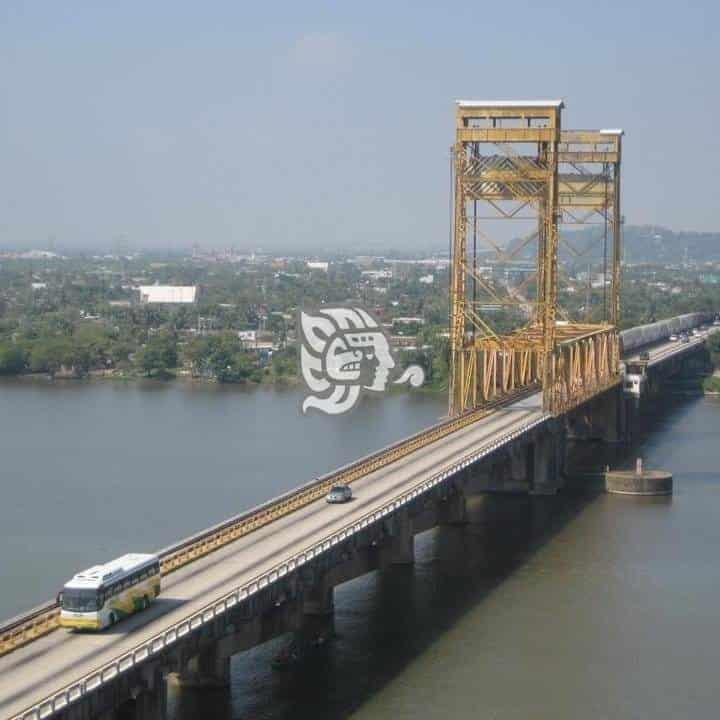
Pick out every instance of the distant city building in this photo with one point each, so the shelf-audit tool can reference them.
(38, 255)
(377, 274)
(427, 279)
(38, 285)
(409, 320)
(318, 266)
(168, 294)
(248, 336)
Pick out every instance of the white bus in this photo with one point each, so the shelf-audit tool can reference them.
(103, 594)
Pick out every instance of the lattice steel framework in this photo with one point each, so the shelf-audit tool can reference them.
(589, 193)
(507, 156)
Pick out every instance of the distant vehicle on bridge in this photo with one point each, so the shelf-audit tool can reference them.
(104, 594)
(339, 494)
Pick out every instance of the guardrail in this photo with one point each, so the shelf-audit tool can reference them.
(27, 627)
(75, 690)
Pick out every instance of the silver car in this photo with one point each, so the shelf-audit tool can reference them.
(339, 494)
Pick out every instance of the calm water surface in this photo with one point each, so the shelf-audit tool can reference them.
(92, 470)
(579, 606)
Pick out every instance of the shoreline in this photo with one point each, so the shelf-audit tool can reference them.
(185, 378)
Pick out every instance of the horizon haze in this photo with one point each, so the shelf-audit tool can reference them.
(322, 125)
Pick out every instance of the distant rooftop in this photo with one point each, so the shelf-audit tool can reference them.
(170, 294)
(612, 131)
(510, 103)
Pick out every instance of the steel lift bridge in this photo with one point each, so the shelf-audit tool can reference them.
(513, 161)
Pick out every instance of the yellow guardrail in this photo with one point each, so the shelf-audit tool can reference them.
(29, 626)
(234, 529)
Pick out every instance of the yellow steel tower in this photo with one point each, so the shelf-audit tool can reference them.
(589, 194)
(506, 158)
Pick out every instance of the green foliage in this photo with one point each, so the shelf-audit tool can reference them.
(433, 355)
(711, 384)
(222, 357)
(50, 354)
(159, 355)
(284, 366)
(12, 359)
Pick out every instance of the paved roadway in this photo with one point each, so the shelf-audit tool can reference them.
(667, 349)
(31, 673)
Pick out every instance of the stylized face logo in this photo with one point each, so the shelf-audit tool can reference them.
(344, 351)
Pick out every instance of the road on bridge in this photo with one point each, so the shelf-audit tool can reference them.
(39, 669)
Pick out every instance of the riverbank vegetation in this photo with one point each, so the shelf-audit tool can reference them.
(81, 316)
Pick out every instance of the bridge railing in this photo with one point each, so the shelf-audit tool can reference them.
(580, 368)
(140, 653)
(27, 627)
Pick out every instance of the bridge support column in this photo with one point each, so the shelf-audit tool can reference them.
(318, 620)
(613, 420)
(209, 669)
(319, 599)
(400, 549)
(547, 463)
(149, 701)
(452, 510)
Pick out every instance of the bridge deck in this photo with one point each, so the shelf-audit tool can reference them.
(669, 348)
(39, 669)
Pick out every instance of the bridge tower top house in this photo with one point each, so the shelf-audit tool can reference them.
(507, 161)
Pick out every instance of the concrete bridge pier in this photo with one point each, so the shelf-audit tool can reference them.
(400, 543)
(139, 695)
(613, 417)
(452, 509)
(521, 460)
(208, 669)
(319, 598)
(148, 699)
(548, 454)
(318, 615)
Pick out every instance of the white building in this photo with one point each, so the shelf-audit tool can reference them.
(168, 294)
(248, 337)
(409, 320)
(377, 274)
(318, 266)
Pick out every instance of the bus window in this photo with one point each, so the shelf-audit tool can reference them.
(80, 600)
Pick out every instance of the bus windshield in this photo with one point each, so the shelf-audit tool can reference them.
(80, 600)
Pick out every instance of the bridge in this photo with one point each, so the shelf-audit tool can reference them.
(272, 569)
(515, 399)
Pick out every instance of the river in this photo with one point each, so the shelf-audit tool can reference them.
(582, 605)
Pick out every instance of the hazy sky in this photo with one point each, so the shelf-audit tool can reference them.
(288, 124)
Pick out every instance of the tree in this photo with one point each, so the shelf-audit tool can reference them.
(222, 357)
(12, 359)
(49, 354)
(159, 355)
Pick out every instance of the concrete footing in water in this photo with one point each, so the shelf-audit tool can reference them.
(639, 481)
